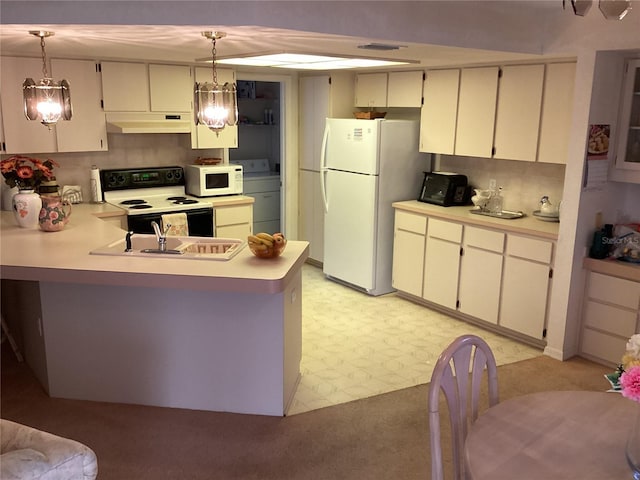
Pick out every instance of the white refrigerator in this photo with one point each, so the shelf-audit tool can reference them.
(366, 165)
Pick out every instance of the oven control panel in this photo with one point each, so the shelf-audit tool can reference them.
(127, 178)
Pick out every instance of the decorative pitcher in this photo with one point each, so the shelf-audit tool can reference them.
(54, 213)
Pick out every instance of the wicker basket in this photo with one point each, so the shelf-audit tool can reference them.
(369, 115)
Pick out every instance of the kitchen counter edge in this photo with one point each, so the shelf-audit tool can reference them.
(528, 225)
(34, 255)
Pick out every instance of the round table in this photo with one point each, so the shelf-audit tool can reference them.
(552, 436)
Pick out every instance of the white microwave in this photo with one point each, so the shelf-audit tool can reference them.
(213, 180)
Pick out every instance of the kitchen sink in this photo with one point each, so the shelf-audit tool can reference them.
(190, 248)
(504, 214)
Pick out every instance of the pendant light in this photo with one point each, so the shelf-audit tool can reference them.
(47, 101)
(215, 105)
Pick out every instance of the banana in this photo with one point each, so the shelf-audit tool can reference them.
(254, 239)
(265, 236)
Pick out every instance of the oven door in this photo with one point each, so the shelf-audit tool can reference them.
(200, 222)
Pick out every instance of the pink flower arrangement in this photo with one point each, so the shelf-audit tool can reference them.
(630, 383)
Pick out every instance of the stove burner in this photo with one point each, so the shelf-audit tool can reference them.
(185, 201)
(177, 198)
(133, 202)
(139, 206)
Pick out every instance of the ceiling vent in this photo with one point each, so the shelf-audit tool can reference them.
(381, 46)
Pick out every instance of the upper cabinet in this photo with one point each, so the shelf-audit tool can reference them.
(393, 89)
(85, 131)
(439, 114)
(557, 108)
(371, 90)
(201, 135)
(404, 89)
(628, 153)
(138, 87)
(476, 111)
(518, 112)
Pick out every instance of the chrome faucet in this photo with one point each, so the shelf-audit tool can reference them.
(161, 236)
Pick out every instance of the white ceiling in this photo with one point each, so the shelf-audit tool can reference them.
(185, 44)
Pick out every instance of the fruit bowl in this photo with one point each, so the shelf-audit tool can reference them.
(264, 245)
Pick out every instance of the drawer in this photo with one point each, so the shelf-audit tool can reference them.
(449, 231)
(233, 215)
(618, 291)
(411, 222)
(529, 248)
(484, 239)
(610, 319)
(602, 345)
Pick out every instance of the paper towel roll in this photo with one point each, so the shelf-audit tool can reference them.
(96, 187)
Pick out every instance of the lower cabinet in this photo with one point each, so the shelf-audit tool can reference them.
(611, 313)
(408, 252)
(525, 289)
(481, 273)
(498, 277)
(442, 263)
(233, 221)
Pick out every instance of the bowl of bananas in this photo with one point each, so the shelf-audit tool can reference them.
(265, 245)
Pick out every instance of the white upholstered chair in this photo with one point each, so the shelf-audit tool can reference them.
(28, 453)
(458, 373)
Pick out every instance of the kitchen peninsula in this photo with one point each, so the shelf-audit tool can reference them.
(196, 334)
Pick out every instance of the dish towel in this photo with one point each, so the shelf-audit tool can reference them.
(179, 226)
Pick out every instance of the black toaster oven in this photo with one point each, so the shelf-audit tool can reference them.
(445, 189)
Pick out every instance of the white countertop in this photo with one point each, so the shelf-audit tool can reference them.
(63, 256)
(528, 225)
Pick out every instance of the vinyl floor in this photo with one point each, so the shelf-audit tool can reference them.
(356, 346)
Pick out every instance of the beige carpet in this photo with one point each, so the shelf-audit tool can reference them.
(382, 437)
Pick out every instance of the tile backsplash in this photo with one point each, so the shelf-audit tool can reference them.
(523, 183)
(125, 151)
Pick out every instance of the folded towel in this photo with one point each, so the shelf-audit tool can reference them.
(179, 226)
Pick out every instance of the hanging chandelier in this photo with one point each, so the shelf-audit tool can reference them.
(215, 105)
(610, 9)
(47, 101)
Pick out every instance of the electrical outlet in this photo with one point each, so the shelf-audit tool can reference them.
(493, 184)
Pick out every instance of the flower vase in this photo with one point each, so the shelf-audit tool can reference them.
(632, 451)
(7, 198)
(26, 208)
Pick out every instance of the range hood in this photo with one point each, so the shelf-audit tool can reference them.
(142, 122)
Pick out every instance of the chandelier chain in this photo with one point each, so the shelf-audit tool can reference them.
(214, 73)
(45, 72)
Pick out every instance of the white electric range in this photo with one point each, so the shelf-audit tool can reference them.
(148, 193)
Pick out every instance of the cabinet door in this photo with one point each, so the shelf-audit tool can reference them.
(341, 94)
(518, 112)
(481, 273)
(125, 87)
(314, 109)
(312, 214)
(234, 231)
(170, 88)
(371, 90)
(557, 108)
(524, 296)
(202, 136)
(439, 113)
(628, 156)
(22, 135)
(408, 252)
(405, 89)
(87, 129)
(476, 111)
(442, 263)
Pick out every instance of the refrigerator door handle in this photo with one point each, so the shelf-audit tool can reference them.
(323, 168)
